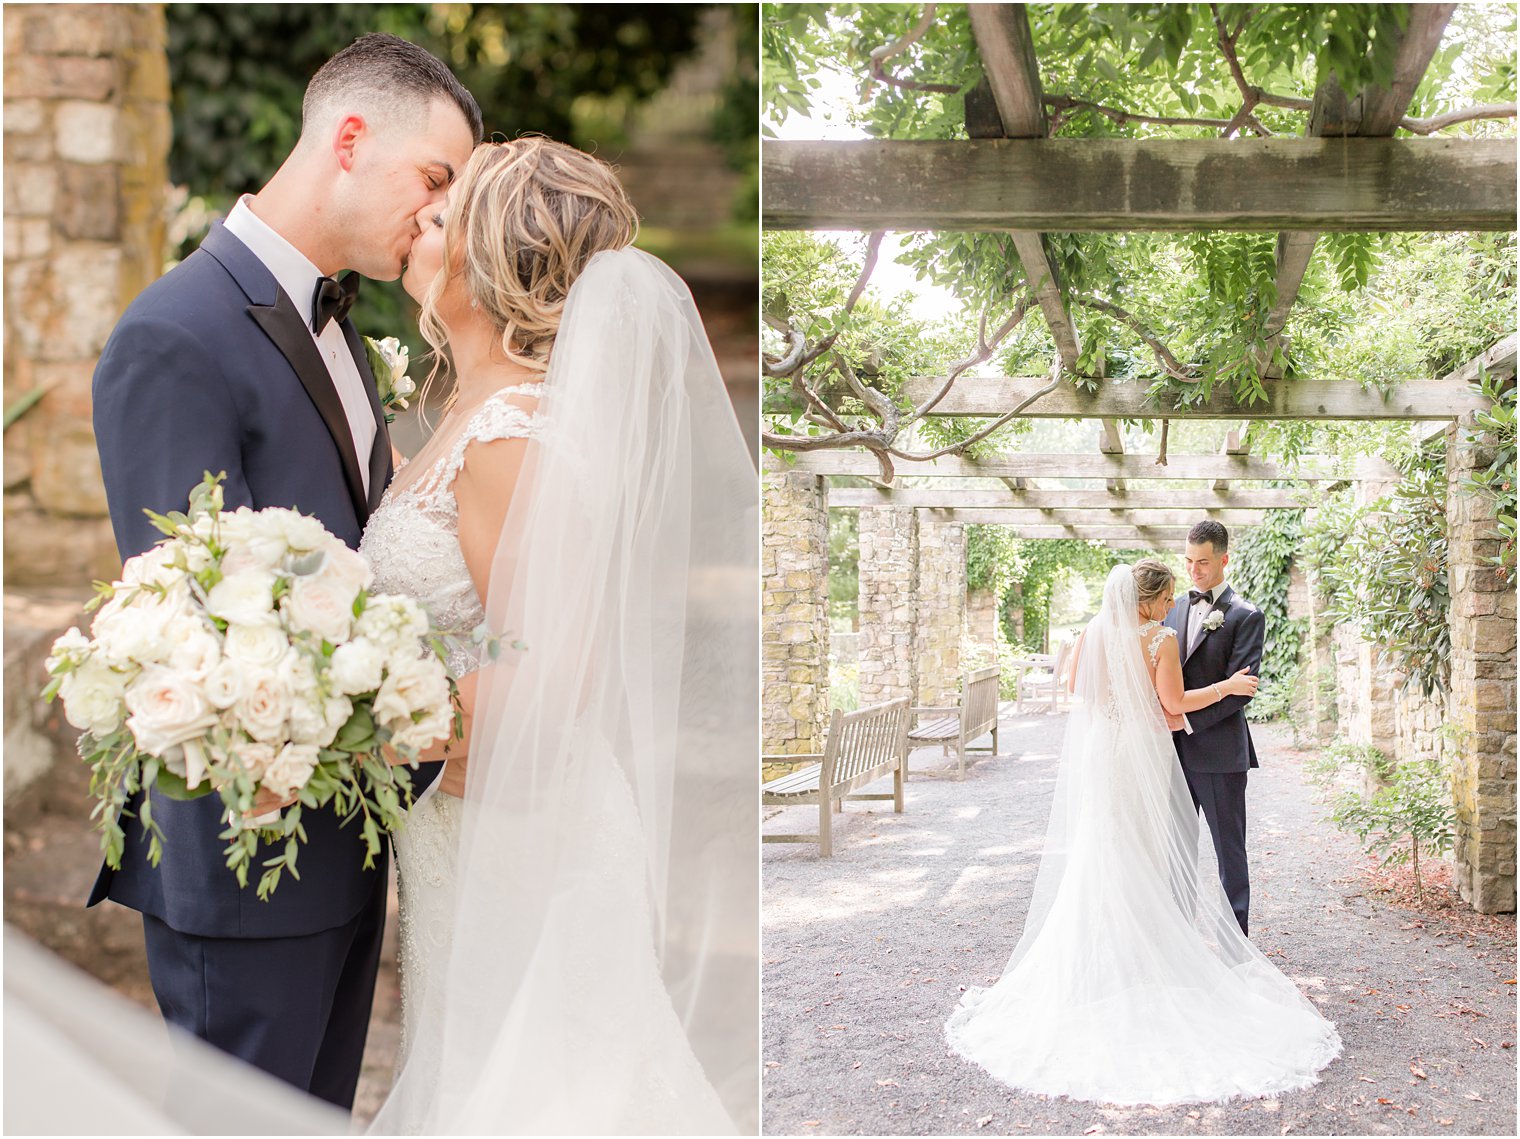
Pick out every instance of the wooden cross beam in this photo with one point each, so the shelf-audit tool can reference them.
(1016, 467)
(954, 496)
(1286, 399)
(1234, 444)
(1125, 537)
(1378, 111)
(1142, 519)
(1122, 185)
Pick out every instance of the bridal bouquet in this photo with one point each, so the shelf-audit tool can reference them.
(241, 652)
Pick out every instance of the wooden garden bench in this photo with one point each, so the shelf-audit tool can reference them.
(973, 718)
(861, 747)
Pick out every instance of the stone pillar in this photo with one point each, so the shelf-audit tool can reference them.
(87, 130)
(794, 575)
(981, 622)
(941, 609)
(1481, 704)
(888, 603)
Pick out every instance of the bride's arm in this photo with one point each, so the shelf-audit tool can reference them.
(1176, 701)
(1071, 667)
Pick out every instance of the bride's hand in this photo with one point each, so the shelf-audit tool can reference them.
(1241, 684)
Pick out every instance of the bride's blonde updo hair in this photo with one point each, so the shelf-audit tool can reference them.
(524, 219)
(1152, 579)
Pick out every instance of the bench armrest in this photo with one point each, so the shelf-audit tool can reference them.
(804, 757)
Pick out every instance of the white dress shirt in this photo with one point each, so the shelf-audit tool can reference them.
(298, 278)
(1199, 611)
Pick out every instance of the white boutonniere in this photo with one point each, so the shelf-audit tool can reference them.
(1213, 621)
(388, 360)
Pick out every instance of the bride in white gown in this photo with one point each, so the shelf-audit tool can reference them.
(1132, 983)
(578, 899)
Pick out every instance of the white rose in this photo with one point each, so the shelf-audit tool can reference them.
(194, 648)
(413, 686)
(252, 544)
(320, 606)
(316, 719)
(92, 698)
(356, 667)
(432, 725)
(243, 598)
(253, 757)
(223, 683)
(264, 706)
(153, 566)
(166, 708)
(290, 769)
(132, 635)
(71, 648)
(255, 646)
(345, 566)
(300, 533)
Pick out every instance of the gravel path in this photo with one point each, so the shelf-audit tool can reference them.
(866, 954)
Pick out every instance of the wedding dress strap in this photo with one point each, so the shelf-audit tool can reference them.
(1153, 646)
(495, 418)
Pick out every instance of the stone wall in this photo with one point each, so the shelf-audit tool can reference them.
(794, 574)
(981, 639)
(87, 130)
(941, 610)
(1482, 700)
(889, 597)
(1314, 708)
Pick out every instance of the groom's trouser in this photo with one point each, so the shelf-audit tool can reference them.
(1221, 796)
(297, 1007)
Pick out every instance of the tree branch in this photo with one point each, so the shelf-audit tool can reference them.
(796, 346)
(984, 349)
(1451, 118)
(1169, 363)
(956, 448)
(1063, 103)
(880, 56)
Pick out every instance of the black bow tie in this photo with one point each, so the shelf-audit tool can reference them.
(332, 300)
(1194, 596)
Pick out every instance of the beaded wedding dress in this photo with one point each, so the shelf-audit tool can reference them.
(578, 932)
(1132, 983)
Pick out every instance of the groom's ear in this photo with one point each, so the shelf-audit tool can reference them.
(350, 129)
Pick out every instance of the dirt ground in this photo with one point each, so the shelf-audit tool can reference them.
(865, 955)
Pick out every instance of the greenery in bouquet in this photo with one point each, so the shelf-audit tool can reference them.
(244, 652)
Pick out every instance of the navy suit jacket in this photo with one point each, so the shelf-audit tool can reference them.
(212, 368)
(1221, 739)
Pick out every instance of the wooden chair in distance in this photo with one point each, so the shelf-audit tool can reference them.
(1043, 679)
(861, 747)
(973, 718)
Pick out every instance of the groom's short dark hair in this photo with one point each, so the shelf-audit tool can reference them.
(388, 66)
(1212, 532)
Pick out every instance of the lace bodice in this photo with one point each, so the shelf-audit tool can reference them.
(412, 539)
(1154, 634)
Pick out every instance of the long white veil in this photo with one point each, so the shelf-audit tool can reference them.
(604, 975)
(1132, 982)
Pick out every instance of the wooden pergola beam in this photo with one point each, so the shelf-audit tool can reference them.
(1139, 519)
(1496, 361)
(1014, 467)
(1234, 444)
(1125, 185)
(1125, 536)
(1286, 399)
(1380, 111)
(948, 497)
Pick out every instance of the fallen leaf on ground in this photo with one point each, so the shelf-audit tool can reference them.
(773, 1063)
(1417, 1073)
(1367, 1079)
(984, 1120)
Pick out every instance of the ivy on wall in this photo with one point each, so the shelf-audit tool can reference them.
(1262, 560)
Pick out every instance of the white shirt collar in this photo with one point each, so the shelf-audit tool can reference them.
(1214, 593)
(294, 273)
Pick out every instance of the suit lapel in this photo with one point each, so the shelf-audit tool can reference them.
(1221, 603)
(380, 453)
(284, 324)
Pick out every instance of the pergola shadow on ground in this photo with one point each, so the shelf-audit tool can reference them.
(866, 955)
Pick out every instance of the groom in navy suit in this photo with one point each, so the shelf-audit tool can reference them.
(1219, 632)
(242, 359)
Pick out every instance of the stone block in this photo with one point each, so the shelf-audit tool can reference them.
(87, 132)
(68, 29)
(89, 203)
(66, 476)
(30, 189)
(40, 550)
(27, 238)
(85, 286)
(61, 77)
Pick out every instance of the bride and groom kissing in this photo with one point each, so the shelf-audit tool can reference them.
(588, 489)
(1134, 981)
